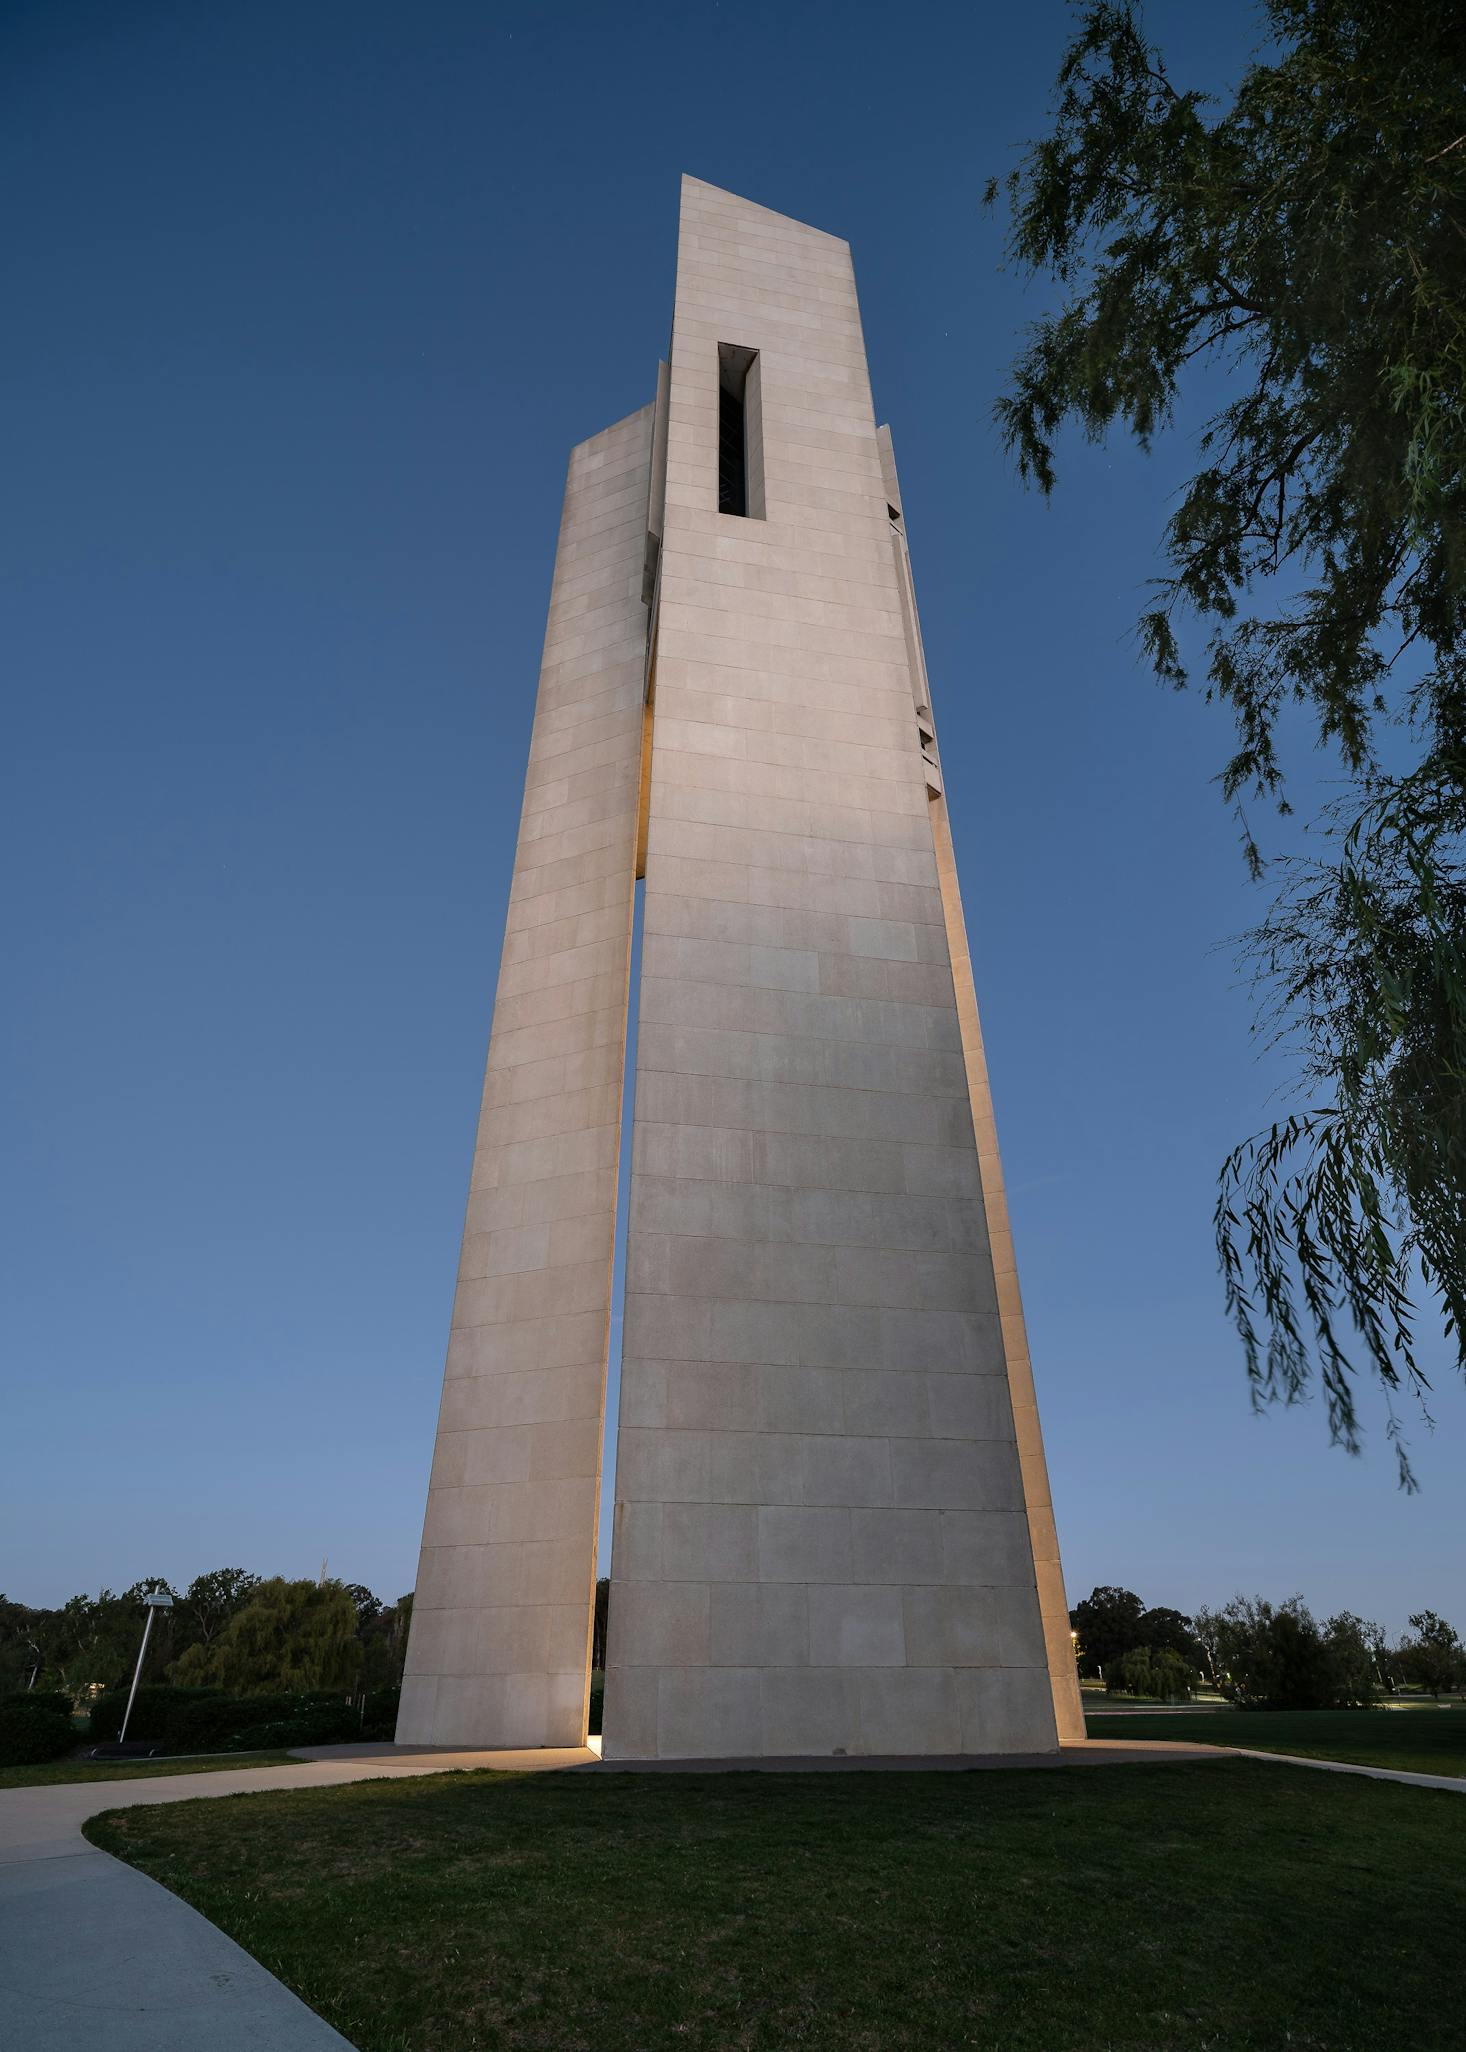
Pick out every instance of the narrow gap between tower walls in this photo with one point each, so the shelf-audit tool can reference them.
(618, 1269)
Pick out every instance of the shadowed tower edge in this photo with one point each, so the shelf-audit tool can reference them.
(833, 1530)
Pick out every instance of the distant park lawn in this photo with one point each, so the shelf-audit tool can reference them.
(1417, 1740)
(55, 1771)
(1222, 1904)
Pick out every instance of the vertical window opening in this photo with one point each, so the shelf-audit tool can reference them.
(732, 453)
(740, 433)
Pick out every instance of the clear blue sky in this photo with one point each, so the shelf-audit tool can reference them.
(305, 307)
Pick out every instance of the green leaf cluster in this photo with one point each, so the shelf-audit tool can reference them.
(1111, 1623)
(1150, 1671)
(227, 1629)
(290, 1637)
(1278, 1657)
(1305, 239)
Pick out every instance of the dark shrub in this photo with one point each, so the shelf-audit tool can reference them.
(180, 1720)
(1276, 1657)
(1291, 1668)
(379, 1714)
(153, 1713)
(597, 1701)
(37, 1699)
(332, 1724)
(1151, 1671)
(209, 1727)
(312, 1724)
(30, 1733)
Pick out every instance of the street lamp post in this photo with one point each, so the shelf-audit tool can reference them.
(155, 1604)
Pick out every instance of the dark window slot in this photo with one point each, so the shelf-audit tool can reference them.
(732, 453)
(740, 434)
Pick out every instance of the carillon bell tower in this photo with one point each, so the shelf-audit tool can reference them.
(833, 1531)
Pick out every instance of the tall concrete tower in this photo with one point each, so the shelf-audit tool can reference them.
(833, 1530)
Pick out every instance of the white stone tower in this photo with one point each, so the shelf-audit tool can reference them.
(833, 1528)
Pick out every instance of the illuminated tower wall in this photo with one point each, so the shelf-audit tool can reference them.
(832, 1528)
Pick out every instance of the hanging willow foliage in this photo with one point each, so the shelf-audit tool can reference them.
(1356, 1206)
(1308, 238)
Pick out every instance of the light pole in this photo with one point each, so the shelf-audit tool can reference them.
(155, 1604)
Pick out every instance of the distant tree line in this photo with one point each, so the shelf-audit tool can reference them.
(228, 1629)
(1260, 1655)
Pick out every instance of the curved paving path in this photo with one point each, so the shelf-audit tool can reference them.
(94, 1954)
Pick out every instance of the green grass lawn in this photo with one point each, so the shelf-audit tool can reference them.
(1220, 1906)
(1419, 1741)
(134, 1770)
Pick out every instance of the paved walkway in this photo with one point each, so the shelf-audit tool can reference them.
(1081, 1753)
(1078, 1753)
(94, 1954)
(1455, 1783)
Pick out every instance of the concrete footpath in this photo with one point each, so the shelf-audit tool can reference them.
(1454, 1784)
(94, 1954)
